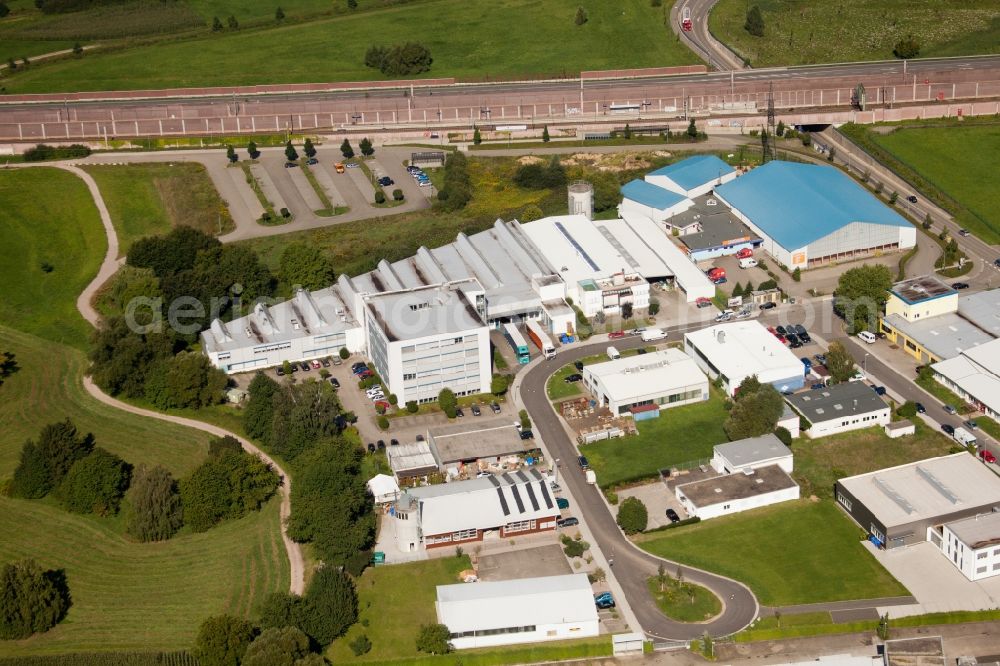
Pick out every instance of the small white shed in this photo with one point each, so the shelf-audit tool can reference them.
(383, 488)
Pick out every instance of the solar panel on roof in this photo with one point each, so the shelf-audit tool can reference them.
(531, 496)
(517, 498)
(503, 502)
(521, 475)
(577, 246)
(508, 479)
(544, 487)
(494, 480)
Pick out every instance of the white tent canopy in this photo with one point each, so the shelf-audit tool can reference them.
(384, 488)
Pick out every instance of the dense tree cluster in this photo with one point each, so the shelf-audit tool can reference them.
(457, 189)
(223, 640)
(290, 419)
(756, 410)
(305, 265)
(185, 380)
(861, 294)
(399, 59)
(45, 462)
(228, 485)
(536, 176)
(32, 600)
(328, 609)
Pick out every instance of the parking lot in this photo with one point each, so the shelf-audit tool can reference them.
(530, 563)
(658, 498)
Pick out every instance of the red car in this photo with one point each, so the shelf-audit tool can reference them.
(702, 302)
(385, 405)
(745, 253)
(987, 456)
(614, 335)
(364, 374)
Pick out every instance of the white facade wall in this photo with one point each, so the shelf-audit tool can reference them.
(661, 215)
(974, 563)
(790, 423)
(418, 368)
(722, 465)
(620, 404)
(666, 183)
(541, 632)
(848, 423)
(737, 505)
(271, 354)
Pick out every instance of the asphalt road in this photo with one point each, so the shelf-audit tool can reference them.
(632, 566)
(699, 39)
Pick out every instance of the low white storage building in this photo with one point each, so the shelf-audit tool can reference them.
(667, 378)
(383, 488)
(740, 491)
(973, 545)
(528, 610)
(741, 349)
(750, 454)
(694, 176)
(840, 408)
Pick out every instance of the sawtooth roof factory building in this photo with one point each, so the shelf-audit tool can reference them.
(809, 215)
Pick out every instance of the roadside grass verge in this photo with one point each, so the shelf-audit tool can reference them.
(629, 33)
(679, 435)
(684, 602)
(942, 159)
(149, 199)
(558, 388)
(802, 32)
(765, 549)
(53, 244)
(820, 462)
(328, 209)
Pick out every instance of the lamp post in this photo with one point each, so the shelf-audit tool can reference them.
(864, 364)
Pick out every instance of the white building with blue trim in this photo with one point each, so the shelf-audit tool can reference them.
(692, 177)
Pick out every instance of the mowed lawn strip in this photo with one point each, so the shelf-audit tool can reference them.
(131, 596)
(679, 435)
(507, 38)
(148, 199)
(791, 553)
(800, 32)
(954, 159)
(49, 222)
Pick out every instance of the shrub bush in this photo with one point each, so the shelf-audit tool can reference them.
(383, 423)
(412, 407)
(397, 194)
(379, 196)
(784, 435)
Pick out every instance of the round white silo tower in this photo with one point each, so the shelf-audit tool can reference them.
(581, 199)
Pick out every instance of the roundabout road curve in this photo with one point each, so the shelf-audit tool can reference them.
(632, 566)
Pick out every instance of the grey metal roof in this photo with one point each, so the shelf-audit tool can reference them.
(838, 401)
(728, 487)
(426, 311)
(718, 225)
(753, 450)
(983, 310)
(945, 336)
(979, 531)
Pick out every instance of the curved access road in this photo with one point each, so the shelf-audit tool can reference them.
(700, 39)
(632, 566)
(83, 304)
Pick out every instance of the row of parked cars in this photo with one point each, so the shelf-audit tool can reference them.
(423, 180)
(306, 366)
(793, 335)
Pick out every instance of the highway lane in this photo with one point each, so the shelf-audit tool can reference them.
(631, 567)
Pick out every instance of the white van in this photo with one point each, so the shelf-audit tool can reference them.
(748, 262)
(613, 353)
(651, 334)
(867, 336)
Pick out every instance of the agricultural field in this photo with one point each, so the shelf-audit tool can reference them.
(802, 32)
(125, 595)
(53, 245)
(951, 157)
(148, 199)
(780, 566)
(474, 46)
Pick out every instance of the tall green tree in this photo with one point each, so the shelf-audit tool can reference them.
(286, 646)
(8, 365)
(755, 22)
(477, 137)
(231, 155)
(223, 640)
(632, 515)
(447, 402)
(545, 134)
(692, 130)
(366, 147)
(581, 16)
(216, 24)
(308, 148)
(861, 295)
(258, 413)
(279, 14)
(306, 265)
(32, 600)
(346, 150)
(252, 150)
(755, 414)
(839, 362)
(44, 463)
(153, 510)
(233, 23)
(330, 605)
(95, 484)
(187, 380)
(434, 639)
(290, 153)
(226, 488)
(304, 415)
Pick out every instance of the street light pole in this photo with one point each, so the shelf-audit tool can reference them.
(864, 364)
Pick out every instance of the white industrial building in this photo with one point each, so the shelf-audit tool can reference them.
(657, 203)
(667, 378)
(496, 506)
(840, 408)
(692, 177)
(908, 504)
(749, 454)
(973, 545)
(974, 375)
(738, 350)
(809, 215)
(527, 610)
(751, 488)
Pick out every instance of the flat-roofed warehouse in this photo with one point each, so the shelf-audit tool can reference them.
(910, 503)
(809, 214)
(739, 491)
(667, 378)
(740, 349)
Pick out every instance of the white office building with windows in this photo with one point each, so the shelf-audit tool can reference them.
(973, 545)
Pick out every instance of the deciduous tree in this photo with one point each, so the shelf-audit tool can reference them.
(861, 294)
(632, 515)
(330, 605)
(305, 265)
(434, 639)
(32, 600)
(755, 22)
(95, 484)
(447, 402)
(277, 647)
(223, 640)
(755, 414)
(153, 510)
(839, 362)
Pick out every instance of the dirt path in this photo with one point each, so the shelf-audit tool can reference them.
(84, 305)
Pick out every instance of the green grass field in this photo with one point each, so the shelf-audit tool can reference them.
(467, 44)
(952, 159)
(792, 553)
(820, 462)
(800, 32)
(148, 199)
(19, 48)
(681, 434)
(49, 217)
(125, 595)
(684, 602)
